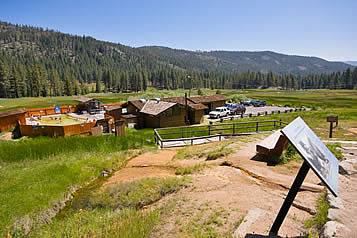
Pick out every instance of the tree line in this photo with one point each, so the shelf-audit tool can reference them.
(41, 80)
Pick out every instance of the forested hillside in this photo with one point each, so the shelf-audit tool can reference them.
(242, 61)
(37, 62)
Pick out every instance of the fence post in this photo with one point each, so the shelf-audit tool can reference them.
(257, 127)
(220, 137)
(191, 141)
(274, 124)
(181, 132)
(280, 123)
(162, 144)
(209, 130)
(234, 129)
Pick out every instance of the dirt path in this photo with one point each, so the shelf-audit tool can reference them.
(221, 196)
(147, 165)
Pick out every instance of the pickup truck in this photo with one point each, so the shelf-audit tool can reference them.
(235, 109)
(219, 112)
(260, 103)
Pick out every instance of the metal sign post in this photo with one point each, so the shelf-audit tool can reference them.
(316, 156)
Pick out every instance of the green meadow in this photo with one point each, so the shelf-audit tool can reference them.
(38, 172)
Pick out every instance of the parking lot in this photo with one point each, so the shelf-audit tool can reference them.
(259, 111)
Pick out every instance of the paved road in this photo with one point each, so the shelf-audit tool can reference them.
(254, 111)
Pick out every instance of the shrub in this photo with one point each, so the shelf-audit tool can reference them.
(336, 152)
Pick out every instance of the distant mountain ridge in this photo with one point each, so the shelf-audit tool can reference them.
(241, 61)
(354, 63)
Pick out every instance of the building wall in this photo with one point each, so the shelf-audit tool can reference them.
(176, 120)
(116, 114)
(218, 104)
(6, 123)
(164, 120)
(196, 117)
(151, 121)
(132, 110)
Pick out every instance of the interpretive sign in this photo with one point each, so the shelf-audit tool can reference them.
(332, 119)
(312, 150)
(316, 156)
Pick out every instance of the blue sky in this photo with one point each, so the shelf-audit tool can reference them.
(320, 28)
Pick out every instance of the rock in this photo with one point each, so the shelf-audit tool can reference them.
(333, 214)
(348, 167)
(249, 219)
(330, 229)
(334, 202)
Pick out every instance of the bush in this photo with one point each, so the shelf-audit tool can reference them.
(237, 98)
(336, 152)
(200, 92)
(218, 91)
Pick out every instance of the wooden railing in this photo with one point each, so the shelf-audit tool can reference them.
(192, 133)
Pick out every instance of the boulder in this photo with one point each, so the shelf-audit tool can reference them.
(331, 228)
(348, 167)
(334, 202)
(253, 215)
(333, 214)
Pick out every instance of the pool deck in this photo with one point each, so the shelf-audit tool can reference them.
(69, 119)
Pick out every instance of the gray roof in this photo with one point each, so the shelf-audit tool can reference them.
(154, 107)
(85, 99)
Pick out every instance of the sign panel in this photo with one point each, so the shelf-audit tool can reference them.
(332, 119)
(312, 150)
(57, 109)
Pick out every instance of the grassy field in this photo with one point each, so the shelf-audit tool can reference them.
(40, 171)
(115, 211)
(313, 98)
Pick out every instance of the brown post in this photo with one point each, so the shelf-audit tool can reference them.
(186, 111)
(120, 128)
(257, 127)
(331, 124)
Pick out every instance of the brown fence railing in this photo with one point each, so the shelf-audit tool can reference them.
(191, 133)
(49, 130)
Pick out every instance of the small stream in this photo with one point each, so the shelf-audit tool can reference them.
(80, 197)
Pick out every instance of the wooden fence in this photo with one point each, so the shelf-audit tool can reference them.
(44, 111)
(196, 132)
(47, 130)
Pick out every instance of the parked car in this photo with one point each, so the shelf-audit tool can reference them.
(259, 103)
(235, 109)
(219, 112)
(248, 102)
